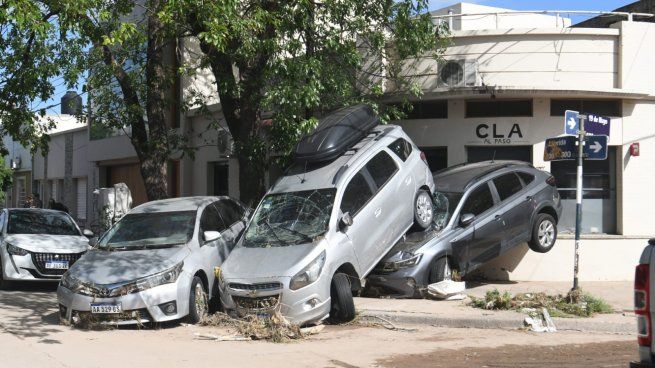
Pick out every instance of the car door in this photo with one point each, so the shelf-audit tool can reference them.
(395, 205)
(365, 229)
(212, 253)
(515, 207)
(488, 227)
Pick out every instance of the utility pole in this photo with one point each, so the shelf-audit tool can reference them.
(578, 200)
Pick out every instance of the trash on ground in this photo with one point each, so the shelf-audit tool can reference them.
(447, 290)
(275, 327)
(539, 321)
(200, 336)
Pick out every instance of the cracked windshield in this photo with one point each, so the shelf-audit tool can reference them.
(150, 230)
(290, 218)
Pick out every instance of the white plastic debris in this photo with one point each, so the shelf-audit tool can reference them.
(448, 290)
(540, 321)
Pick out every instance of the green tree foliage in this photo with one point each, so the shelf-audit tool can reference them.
(5, 179)
(293, 60)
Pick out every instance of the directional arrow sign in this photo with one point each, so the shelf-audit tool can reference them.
(571, 122)
(560, 148)
(595, 147)
(597, 125)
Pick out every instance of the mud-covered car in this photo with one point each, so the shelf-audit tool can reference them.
(481, 211)
(324, 225)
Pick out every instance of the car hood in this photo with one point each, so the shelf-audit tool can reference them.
(267, 262)
(108, 267)
(44, 243)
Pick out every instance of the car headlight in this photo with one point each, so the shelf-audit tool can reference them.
(308, 274)
(407, 260)
(16, 251)
(165, 277)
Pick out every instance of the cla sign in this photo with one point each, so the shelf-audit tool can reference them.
(482, 131)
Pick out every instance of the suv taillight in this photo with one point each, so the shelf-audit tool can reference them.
(551, 181)
(425, 159)
(642, 297)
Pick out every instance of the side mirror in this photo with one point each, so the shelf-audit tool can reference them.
(345, 221)
(88, 233)
(466, 219)
(93, 242)
(210, 236)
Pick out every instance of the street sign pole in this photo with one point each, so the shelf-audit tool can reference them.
(578, 200)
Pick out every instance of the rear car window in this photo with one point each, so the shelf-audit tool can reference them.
(381, 167)
(479, 201)
(401, 148)
(507, 185)
(527, 178)
(357, 193)
(230, 211)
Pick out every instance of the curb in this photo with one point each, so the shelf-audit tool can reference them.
(494, 322)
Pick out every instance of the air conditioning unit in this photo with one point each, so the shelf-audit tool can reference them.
(15, 163)
(458, 73)
(224, 143)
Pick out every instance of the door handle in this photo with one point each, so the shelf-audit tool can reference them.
(378, 212)
(408, 180)
(498, 217)
(528, 198)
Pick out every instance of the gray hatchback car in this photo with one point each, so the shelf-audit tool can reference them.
(322, 228)
(481, 210)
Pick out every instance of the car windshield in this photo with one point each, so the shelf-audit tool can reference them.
(445, 204)
(150, 230)
(41, 222)
(290, 218)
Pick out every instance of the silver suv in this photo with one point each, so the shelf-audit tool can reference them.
(322, 228)
(481, 211)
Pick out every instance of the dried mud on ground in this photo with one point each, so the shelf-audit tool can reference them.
(605, 354)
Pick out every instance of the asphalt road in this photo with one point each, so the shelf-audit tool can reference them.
(31, 336)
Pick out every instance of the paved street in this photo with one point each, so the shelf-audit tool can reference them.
(30, 335)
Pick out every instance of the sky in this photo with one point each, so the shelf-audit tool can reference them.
(595, 5)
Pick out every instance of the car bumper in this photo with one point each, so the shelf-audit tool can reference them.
(22, 268)
(408, 282)
(141, 307)
(306, 305)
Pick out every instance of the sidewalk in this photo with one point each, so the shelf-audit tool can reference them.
(459, 314)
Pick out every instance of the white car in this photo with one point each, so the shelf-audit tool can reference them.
(38, 244)
(156, 264)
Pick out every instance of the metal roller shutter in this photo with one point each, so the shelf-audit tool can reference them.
(81, 198)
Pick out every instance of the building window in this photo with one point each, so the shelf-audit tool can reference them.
(498, 108)
(437, 157)
(598, 107)
(598, 192)
(218, 177)
(436, 109)
(489, 153)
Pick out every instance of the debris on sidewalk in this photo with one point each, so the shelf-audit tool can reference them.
(368, 320)
(539, 320)
(200, 336)
(275, 327)
(447, 290)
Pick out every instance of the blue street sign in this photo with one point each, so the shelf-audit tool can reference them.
(596, 124)
(595, 147)
(571, 122)
(560, 148)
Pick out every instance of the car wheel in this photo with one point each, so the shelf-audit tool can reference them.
(423, 212)
(544, 233)
(4, 284)
(197, 301)
(440, 271)
(343, 306)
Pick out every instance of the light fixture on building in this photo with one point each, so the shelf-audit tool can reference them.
(634, 149)
(15, 163)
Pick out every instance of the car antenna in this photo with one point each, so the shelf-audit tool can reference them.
(302, 180)
(493, 158)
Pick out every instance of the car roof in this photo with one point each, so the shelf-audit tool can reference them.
(459, 177)
(175, 204)
(318, 176)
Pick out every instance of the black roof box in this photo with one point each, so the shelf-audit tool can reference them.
(336, 133)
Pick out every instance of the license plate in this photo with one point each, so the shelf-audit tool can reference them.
(105, 308)
(56, 265)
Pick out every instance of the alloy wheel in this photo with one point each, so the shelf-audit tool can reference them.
(546, 233)
(201, 301)
(423, 208)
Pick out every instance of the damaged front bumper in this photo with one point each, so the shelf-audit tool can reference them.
(265, 296)
(159, 304)
(411, 282)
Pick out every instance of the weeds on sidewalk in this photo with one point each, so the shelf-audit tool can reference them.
(574, 304)
(275, 328)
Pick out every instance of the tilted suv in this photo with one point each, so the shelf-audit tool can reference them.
(322, 228)
(481, 210)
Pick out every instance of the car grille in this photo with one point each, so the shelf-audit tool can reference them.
(40, 259)
(257, 303)
(256, 287)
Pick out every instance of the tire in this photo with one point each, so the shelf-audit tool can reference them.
(4, 284)
(440, 270)
(544, 233)
(423, 210)
(343, 306)
(197, 301)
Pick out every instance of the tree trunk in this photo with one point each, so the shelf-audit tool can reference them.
(251, 182)
(155, 174)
